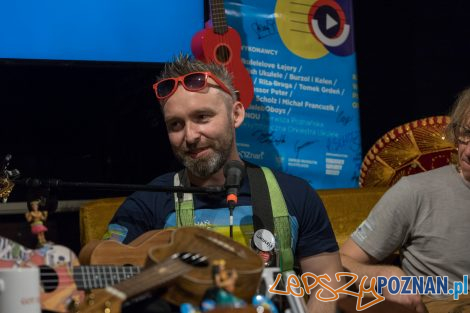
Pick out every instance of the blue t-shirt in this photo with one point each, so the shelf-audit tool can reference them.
(310, 227)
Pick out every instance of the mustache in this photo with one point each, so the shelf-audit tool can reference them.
(195, 147)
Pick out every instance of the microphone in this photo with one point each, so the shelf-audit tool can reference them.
(233, 171)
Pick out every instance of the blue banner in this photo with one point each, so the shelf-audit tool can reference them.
(304, 118)
(98, 30)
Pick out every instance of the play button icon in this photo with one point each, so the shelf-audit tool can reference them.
(328, 22)
(325, 18)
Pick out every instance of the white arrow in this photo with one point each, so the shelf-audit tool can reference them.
(330, 22)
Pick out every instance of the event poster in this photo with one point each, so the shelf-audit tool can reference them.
(304, 118)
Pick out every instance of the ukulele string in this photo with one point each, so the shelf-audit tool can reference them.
(135, 285)
(220, 27)
(167, 270)
(115, 273)
(91, 278)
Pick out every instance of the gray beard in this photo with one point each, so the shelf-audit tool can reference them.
(206, 167)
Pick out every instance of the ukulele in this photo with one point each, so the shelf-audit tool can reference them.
(63, 281)
(221, 44)
(183, 263)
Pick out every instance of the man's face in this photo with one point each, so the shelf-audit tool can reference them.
(200, 129)
(464, 150)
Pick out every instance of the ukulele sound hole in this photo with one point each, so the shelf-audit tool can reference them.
(222, 54)
(49, 278)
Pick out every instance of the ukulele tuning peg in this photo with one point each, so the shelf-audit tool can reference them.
(107, 308)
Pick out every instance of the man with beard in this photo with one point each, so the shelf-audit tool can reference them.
(201, 114)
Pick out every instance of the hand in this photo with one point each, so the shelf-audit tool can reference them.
(410, 301)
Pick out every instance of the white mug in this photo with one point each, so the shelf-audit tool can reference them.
(19, 290)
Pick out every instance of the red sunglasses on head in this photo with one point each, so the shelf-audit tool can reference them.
(192, 82)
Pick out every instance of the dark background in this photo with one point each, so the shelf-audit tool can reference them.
(412, 58)
(100, 122)
(81, 121)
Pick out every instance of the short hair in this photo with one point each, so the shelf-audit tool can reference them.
(184, 64)
(459, 115)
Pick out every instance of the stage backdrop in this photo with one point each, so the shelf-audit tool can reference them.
(304, 117)
(97, 30)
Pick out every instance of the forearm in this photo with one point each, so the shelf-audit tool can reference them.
(369, 270)
(325, 263)
(316, 306)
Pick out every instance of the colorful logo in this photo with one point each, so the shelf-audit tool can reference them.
(312, 29)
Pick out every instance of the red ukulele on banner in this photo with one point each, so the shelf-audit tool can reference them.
(222, 44)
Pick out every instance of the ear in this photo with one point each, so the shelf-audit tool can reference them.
(238, 114)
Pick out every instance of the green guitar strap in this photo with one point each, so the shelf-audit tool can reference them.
(282, 230)
(184, 207)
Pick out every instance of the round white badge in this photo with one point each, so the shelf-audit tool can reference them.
(264, 240)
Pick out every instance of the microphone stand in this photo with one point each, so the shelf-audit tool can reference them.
(10, 178)
(57, 183)
(231, 206)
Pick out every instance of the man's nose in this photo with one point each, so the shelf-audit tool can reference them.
(192, 133)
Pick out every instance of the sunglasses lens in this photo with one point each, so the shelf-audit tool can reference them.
(165, 87)
(194, 82)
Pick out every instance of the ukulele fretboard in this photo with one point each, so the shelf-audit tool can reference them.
(100, 276)
(219, 21)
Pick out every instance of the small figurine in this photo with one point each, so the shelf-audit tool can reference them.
(222, 277)
(221, 295)
(37, 218)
